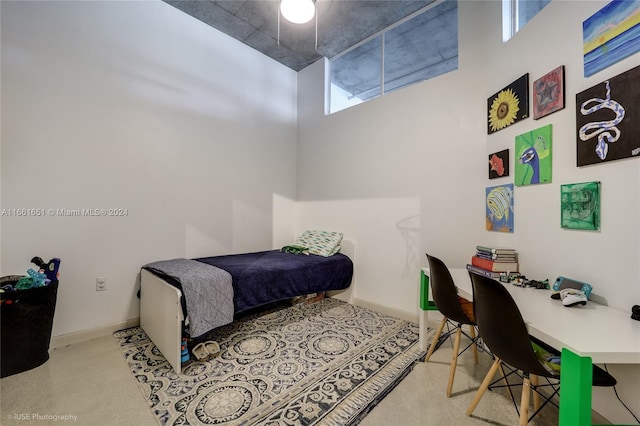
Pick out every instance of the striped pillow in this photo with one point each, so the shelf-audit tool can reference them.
(321, 243)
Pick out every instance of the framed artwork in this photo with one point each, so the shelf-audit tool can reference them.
(580, 206)
(548, 93)
(610, 35)
(499, 164)
(533, 157)
(509, 105)
(499, 208)
(608, 120)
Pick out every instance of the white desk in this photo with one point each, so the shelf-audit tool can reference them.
(591, 333)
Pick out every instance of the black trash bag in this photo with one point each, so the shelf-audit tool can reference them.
(26, 321)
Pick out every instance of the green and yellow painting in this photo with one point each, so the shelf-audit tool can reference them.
(533, 157)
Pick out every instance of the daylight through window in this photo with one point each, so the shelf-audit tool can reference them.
(417, 49)
(516, 13)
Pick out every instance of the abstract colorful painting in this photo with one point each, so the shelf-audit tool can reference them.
(580, 206)
(499, 208)
(611, 34)
(608, 120)
(548, 93)
(533, 157)
(509, 105)
(499, 164)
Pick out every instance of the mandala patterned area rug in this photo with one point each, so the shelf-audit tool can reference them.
(324, 363)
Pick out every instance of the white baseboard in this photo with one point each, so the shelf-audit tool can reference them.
(398, 313)
(92, 333)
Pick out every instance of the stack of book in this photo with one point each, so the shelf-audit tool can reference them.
(490, 262)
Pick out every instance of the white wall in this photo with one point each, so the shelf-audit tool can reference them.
(409, 173)
(135, 105)
(396, 174)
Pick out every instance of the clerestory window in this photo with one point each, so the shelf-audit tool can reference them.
(516, 13)
(421, 47)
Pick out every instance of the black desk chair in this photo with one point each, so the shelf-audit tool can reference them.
(455, 310)
(504, 332)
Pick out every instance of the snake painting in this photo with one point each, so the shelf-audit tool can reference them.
(606, 131)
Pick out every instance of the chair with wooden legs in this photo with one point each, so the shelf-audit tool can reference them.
(505, 334)
(455, 310)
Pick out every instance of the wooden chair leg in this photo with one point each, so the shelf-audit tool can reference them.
(536, 395)
(472, 331)
(483, 387)
(435, 339)
(454, 359)
(524, 402)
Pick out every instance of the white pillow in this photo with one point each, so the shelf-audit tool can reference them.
(321, 243)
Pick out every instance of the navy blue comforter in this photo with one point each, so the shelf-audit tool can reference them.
(270, 276)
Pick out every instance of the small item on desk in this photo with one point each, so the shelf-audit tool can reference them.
(509, 277)
(522, 281)
(519, 282)
(572, 297)
(540, 285)
(563, 282)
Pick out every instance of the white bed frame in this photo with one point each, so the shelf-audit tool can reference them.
(161, 311)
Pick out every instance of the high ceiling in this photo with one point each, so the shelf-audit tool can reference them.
(341, 24)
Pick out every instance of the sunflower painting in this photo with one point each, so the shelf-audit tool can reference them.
(509, 105)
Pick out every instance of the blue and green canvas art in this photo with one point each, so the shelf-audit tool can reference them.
(611, 34)
(499, 208)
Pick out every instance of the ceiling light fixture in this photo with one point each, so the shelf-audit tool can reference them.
(298, 11)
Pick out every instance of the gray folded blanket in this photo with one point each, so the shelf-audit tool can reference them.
(208, 292)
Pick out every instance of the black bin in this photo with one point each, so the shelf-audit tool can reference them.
(26, 322)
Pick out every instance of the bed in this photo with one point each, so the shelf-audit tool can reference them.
(258, 279)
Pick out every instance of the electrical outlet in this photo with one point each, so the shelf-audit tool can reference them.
(101, 283)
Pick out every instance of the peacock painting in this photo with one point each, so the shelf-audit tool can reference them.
(533, 157)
